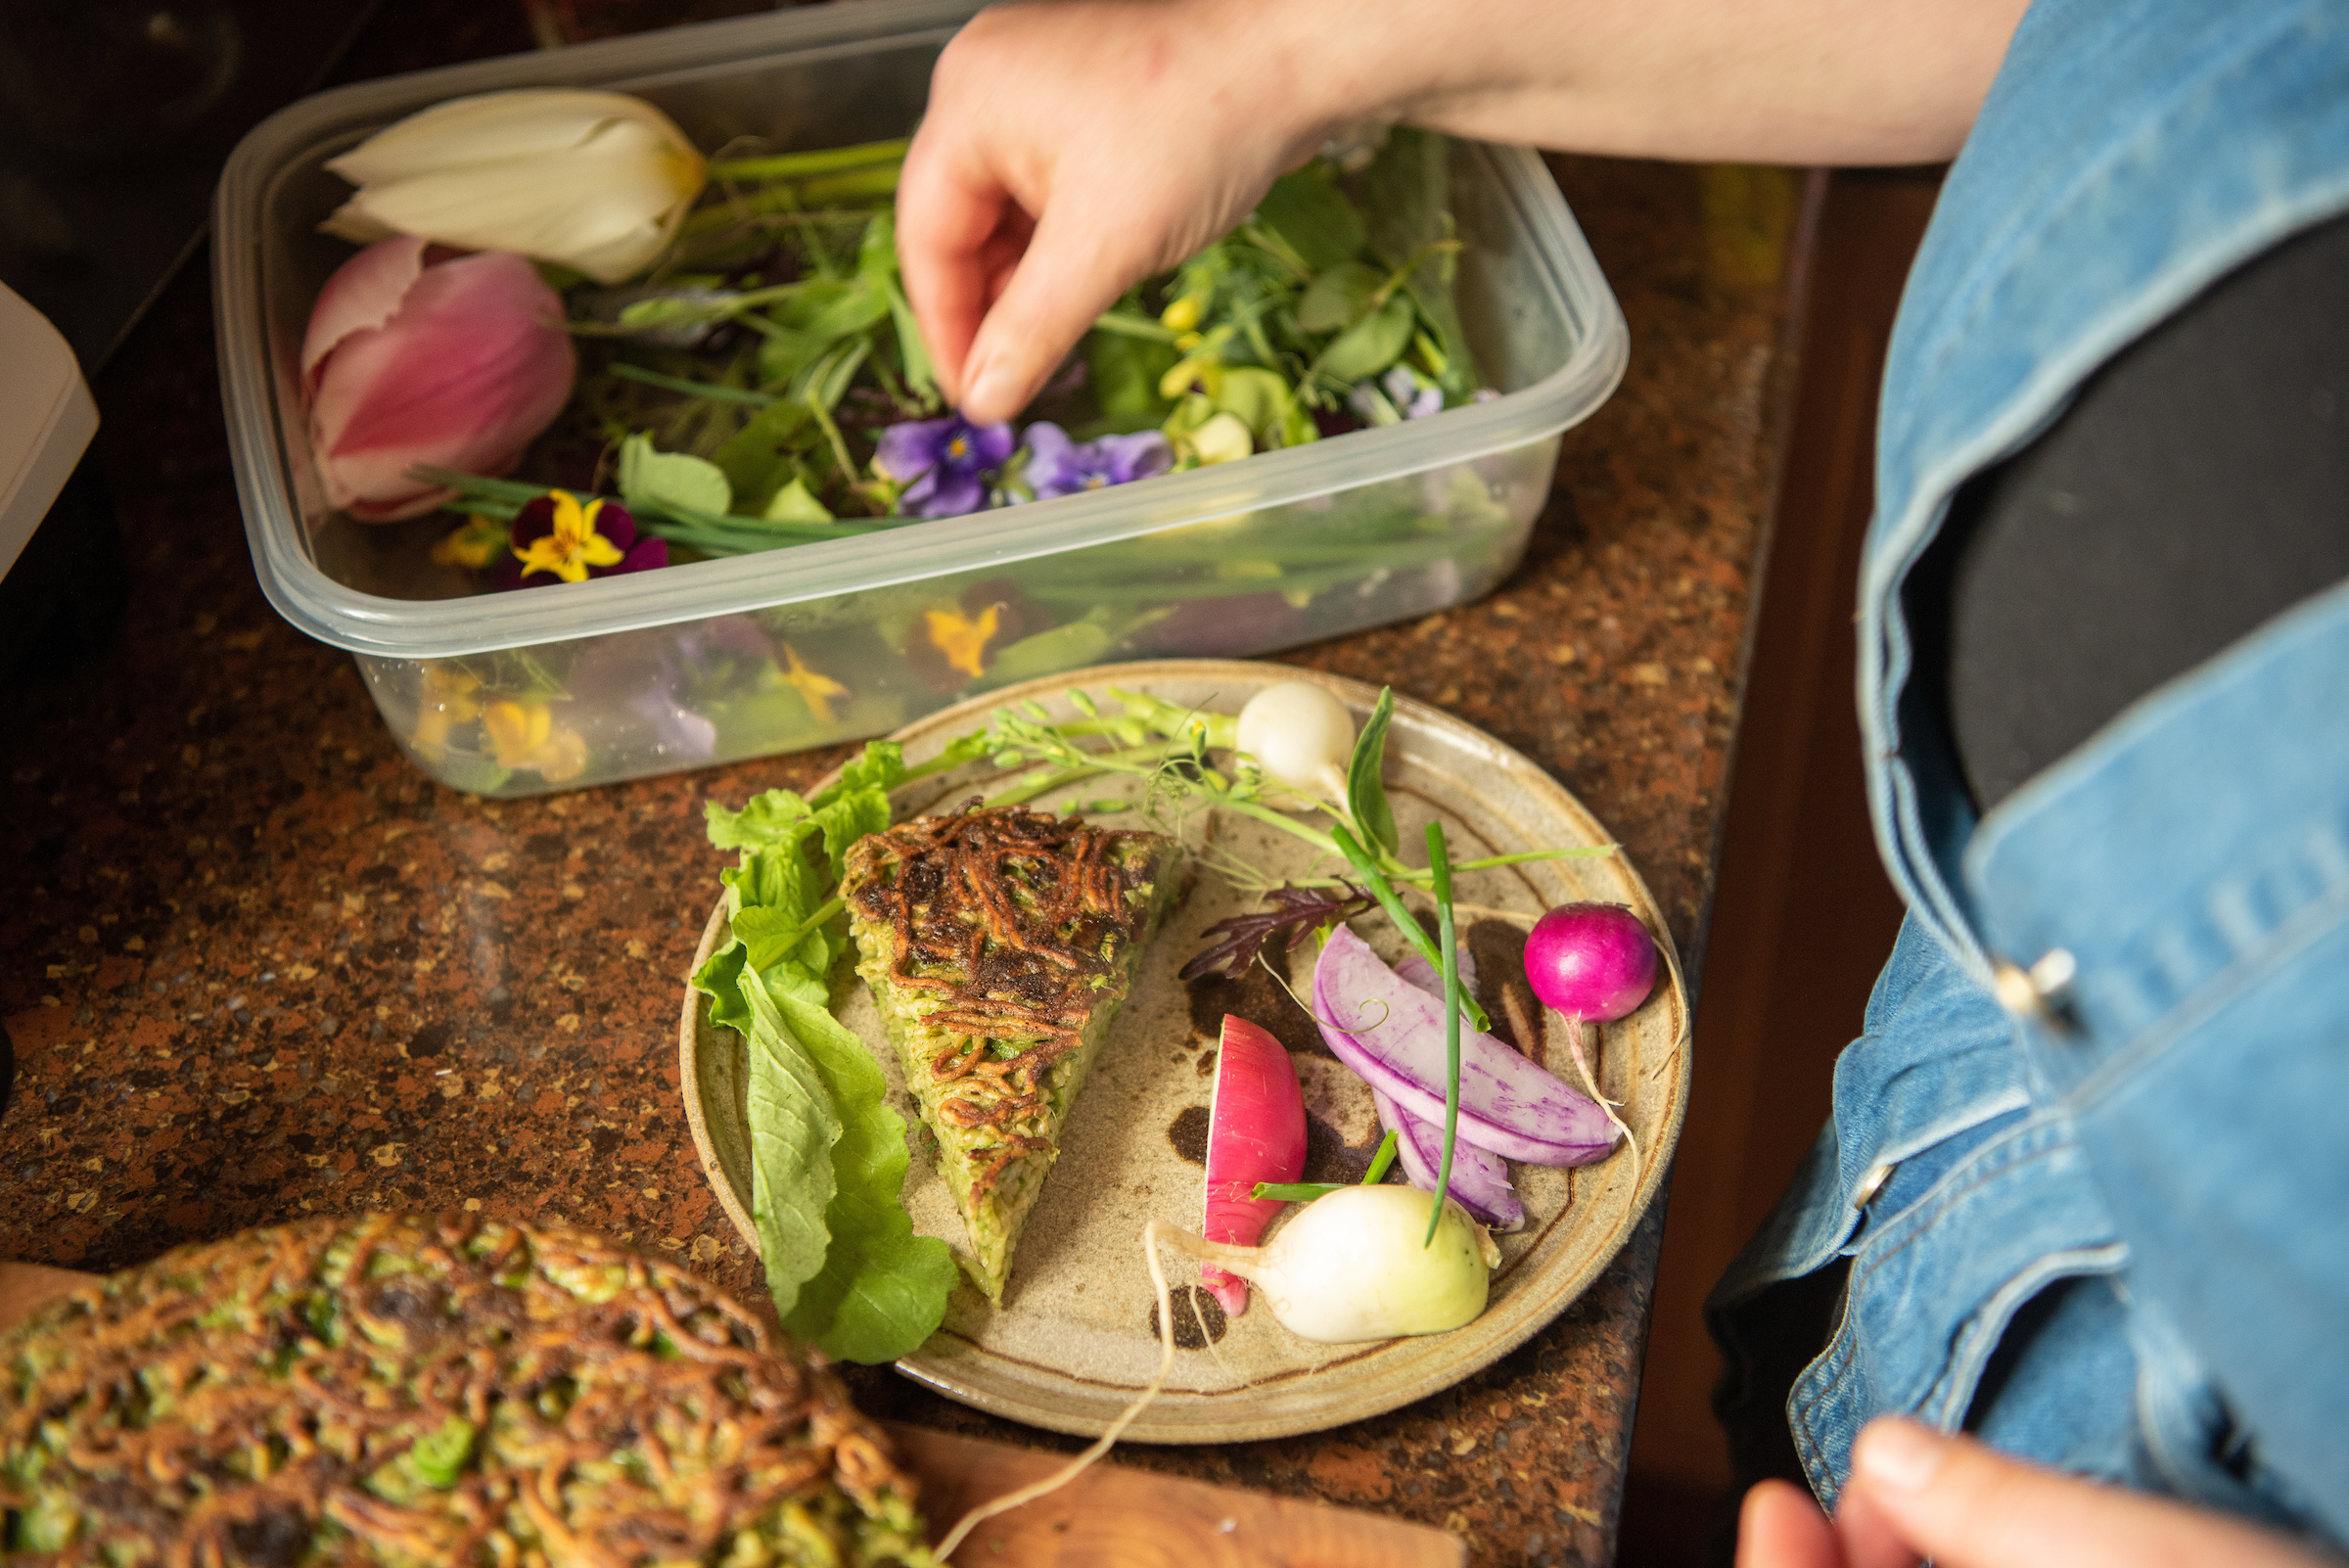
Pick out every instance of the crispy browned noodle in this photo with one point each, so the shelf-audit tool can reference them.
(251, 1401)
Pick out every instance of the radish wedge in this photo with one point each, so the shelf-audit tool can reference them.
(1392, 1032)
(1480, 1178)
(1254, 1133)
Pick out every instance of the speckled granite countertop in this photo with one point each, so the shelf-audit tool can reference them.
(255, 967)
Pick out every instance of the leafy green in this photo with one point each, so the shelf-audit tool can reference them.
(1338, 297)
(881, 1288)
(827, 1152)
(670, 478)
(1306, 210)
(795, 1121)
(1365, 783)
(439, 1456)
(1371, 344)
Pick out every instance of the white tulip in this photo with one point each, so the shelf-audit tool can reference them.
(595, 181)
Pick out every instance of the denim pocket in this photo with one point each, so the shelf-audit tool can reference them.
(1934, 1288)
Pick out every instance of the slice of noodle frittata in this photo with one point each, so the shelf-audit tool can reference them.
(999, 945)
(404, 1390)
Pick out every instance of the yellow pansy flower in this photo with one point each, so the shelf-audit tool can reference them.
(817, 689)
(962, 639)
(572, 545)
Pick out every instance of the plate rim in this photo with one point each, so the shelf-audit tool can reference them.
(1656, 1160)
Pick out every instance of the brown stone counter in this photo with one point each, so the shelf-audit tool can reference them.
(255, 967)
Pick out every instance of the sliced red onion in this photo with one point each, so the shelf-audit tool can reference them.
(1392, 1033)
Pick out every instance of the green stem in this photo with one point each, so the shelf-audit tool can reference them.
(710, 389)
(1307, 1191)
(1130, 326)
(1375, 879)
(818, 160)
(1439, 863)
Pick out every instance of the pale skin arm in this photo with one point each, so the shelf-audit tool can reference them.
(1074, 147)
(1914, 1493)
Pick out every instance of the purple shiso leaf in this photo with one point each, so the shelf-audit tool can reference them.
(1508, 1104)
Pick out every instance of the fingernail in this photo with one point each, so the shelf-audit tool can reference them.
(1900, 1455)
(990, 392)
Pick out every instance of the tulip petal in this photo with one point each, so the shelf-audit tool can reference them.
(471, 368)
(364, 291)
(495, 127)
(597, 181)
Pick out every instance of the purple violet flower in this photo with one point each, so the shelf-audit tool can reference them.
(941, 463)
(1059, 465)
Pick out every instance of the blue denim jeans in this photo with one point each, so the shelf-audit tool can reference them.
(2088, 1163)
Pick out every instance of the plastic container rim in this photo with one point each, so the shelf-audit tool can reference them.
(380, 626)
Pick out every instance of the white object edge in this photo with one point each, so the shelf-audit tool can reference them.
(47, 418)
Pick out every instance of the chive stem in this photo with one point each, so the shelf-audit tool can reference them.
(1412, 932)
(1439, 862)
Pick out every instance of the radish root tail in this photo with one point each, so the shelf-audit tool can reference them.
(1102, 1444)
(1574, 1043)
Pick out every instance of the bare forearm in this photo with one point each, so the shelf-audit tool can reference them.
(1799, 82)
(1074, 146)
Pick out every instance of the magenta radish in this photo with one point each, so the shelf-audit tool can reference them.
(1595, 963)
(1392, 1032)
(1254, 1133)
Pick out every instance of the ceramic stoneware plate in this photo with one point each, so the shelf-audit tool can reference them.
(1074, 1340)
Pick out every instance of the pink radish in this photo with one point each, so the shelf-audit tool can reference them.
(1593, 962)
(1254, 1133)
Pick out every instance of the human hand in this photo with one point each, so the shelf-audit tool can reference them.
(1914, 1493)
(1072, 149)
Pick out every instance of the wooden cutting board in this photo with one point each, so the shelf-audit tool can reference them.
(1115, 1515)
(1111, 1515)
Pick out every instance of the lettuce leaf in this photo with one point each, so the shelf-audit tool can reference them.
(828, 1155)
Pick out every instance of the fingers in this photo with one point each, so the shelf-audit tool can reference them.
(1780, 1527)
(1071, 272)
(955, 225)
(1915, 1492)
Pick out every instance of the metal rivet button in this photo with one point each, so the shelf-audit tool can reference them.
(1872, 1183)
(2036, 992)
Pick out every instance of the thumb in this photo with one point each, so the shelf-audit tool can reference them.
(1916, 1492)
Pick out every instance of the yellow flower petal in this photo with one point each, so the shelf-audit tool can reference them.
(961, 639)
(817, 689)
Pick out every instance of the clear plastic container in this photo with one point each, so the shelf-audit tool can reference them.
(513, 694)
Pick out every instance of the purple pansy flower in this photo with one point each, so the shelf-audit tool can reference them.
(1059, 465)
(557, 537)
(1402, 392)
(942, 463)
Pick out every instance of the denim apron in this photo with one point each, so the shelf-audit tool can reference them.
(2090, 1160)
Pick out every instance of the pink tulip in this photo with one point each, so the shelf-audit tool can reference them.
(419, 354)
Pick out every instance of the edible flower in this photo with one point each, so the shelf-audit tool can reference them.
(571, 540)
(817, 689)
(942, 463)
(1396, 396)
(595, 181)
(962, 639)
(473, 543)
(524, 736)
(451, 696)
(1059, 466)
(416, 358)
